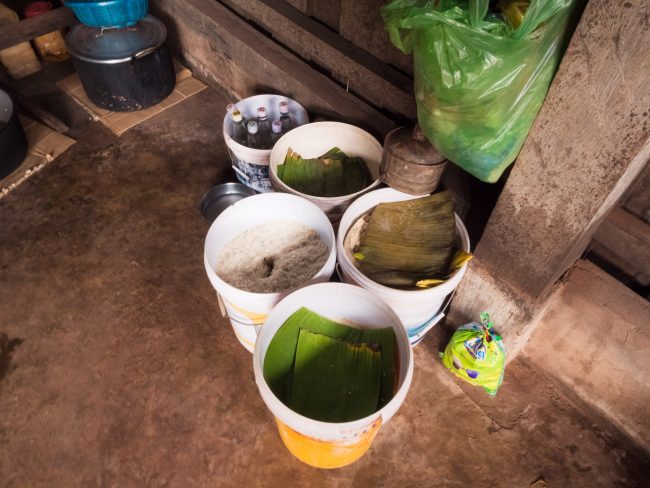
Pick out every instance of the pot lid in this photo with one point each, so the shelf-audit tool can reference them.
(410, 145)
(115, 45)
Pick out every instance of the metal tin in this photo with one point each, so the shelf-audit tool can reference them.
(220, 197)
(410, 163)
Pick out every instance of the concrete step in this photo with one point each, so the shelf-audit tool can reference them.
(594, 340)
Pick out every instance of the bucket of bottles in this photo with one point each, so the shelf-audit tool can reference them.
(252, 165)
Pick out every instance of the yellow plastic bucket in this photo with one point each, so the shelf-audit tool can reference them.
(329, 444)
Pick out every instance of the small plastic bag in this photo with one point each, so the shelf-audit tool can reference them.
(477, 355)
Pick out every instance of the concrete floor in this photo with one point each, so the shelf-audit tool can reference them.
(117, 369)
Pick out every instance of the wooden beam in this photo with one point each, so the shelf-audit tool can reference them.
(232, 55)
(328, 12)
(628, 238)
(360, 22)
(374, 80)
(28, 29)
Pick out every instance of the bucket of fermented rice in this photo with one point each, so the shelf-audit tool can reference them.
(261, 249)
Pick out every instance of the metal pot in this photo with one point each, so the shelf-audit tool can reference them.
(13, 143)
(410, 164)
(123, 69)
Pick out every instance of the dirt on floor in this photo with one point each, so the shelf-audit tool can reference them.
(116, 369)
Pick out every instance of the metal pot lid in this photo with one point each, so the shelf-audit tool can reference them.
(98, 45)
(410, 145)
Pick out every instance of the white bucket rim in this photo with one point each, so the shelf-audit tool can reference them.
(235, 146)
(340, 199)
(446, 287)
(229, 289)
(288, 416)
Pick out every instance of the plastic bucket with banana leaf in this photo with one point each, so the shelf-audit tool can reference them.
(330, 444)
(419, 310)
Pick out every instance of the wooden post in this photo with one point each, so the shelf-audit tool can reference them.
(588, 144)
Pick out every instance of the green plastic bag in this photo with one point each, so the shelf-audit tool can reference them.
(479, 82)
(477, 355)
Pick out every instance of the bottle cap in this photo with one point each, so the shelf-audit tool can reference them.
(261, 113)
(276, 127)
(237, 116)
(37, 8)
(252, 127)
(284, 107)
(230, 108)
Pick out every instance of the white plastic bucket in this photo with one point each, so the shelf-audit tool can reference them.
(329, 444)
(252, 165)
(419, 310)
(315, 139)
(246, 310)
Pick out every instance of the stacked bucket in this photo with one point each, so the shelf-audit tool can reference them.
(119, 53)
(256, 317)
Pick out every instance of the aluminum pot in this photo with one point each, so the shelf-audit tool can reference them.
(123, 69)
(13, 143)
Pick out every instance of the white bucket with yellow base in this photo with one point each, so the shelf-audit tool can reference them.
(329, 444)
(247, 311)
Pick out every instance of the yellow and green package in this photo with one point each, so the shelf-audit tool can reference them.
(477, 355)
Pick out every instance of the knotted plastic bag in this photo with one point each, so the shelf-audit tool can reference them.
(477, 355)
(479, 79)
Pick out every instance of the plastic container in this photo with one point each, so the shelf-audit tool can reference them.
(19, 60)
(313, 140)
(329, 444)
(418, 310)
(109, 13)
(50, 46)
(246, 310)
(252, 165)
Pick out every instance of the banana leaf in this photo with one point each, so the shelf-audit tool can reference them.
(333, 174)
(335, 380)
(409, 241)
(280, 356)
(459, 259)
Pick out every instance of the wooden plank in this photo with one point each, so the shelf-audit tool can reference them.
(637, 199)
(362, 73)
(328, 12)
(588, 144)
(302, 5)
(230, 54)
(28, 29)
(628, 238)
(361, 22)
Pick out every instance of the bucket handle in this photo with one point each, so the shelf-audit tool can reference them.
(225, 315)
(144, 52)
(414, 340)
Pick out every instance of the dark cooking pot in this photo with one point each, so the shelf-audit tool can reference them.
(123, 69)
(13, 144)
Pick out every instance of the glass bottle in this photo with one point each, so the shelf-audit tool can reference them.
(239, 131)
(253, 140)
(264, 128)
(276, 131)
(285, 119)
